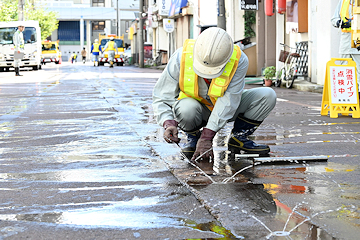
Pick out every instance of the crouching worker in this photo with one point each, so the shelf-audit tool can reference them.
(202, 88)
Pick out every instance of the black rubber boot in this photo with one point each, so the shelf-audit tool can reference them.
(17, 71)
(239, 140)
(190, 147)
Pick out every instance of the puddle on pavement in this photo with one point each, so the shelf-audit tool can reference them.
(126, 214)
(132, 214)
(296, 224)
(285, 179)
(329, 124)
(285, 135)
(110, 173)
(257, 211)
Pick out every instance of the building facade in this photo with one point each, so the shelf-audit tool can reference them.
(304, 23)
(167, 23)
(81, 22)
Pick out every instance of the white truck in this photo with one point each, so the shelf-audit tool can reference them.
(32, 48)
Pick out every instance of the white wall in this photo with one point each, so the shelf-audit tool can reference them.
(67, 50)
(280, 36)
(234, 20)
(163, 39)
(208, 12)
(324, 39)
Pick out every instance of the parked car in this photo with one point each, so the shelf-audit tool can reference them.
(127, 55)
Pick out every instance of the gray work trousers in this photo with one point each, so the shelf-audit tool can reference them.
(111, 55)
(17, 63)
(256, 104)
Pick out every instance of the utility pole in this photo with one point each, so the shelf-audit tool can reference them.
(141, 37)
(221, 20)
(21, 10)
(117, 17)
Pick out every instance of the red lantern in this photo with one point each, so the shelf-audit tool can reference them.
(269, 7)
(281, 6)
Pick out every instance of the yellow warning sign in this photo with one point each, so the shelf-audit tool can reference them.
(340, 93)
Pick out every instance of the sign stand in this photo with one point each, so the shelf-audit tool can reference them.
(340, 93)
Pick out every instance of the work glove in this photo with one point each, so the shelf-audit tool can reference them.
(204, 149)
(171, 131)
(346, 24)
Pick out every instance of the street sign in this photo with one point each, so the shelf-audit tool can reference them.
(249, 4)
(168, 25)
(340, 93)
(342, 81)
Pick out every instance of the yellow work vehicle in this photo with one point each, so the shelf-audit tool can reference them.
(50, 52)
(119, 58)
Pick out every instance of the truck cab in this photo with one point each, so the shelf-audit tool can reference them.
(32, 47)
(50, 52)
(119, 40)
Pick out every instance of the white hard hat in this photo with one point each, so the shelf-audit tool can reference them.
(212, 50)
(96, 40)
(111, 38)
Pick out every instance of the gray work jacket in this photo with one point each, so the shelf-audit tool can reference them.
(18, 40)
(345, 38)
(166, 92)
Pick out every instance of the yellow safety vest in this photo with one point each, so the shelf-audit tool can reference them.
(111, 46)
(344, 12)
(189, 80)
(96, 47)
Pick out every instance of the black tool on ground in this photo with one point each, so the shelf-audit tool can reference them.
(281, 160)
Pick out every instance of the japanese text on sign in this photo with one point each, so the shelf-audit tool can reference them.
(343, 85)
(248, 4)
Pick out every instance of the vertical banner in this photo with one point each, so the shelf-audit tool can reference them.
(164, 7)
(176, 6)
(340, 93)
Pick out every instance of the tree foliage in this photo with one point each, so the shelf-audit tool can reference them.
(33, 10)
(8, 10)
(47, 20)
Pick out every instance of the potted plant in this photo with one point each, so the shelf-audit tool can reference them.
(269, 74)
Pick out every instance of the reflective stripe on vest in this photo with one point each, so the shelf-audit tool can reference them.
(96, 47)
(344, 12)
(111, 46)
(189, 80)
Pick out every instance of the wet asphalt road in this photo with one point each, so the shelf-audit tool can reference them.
(82, 158)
